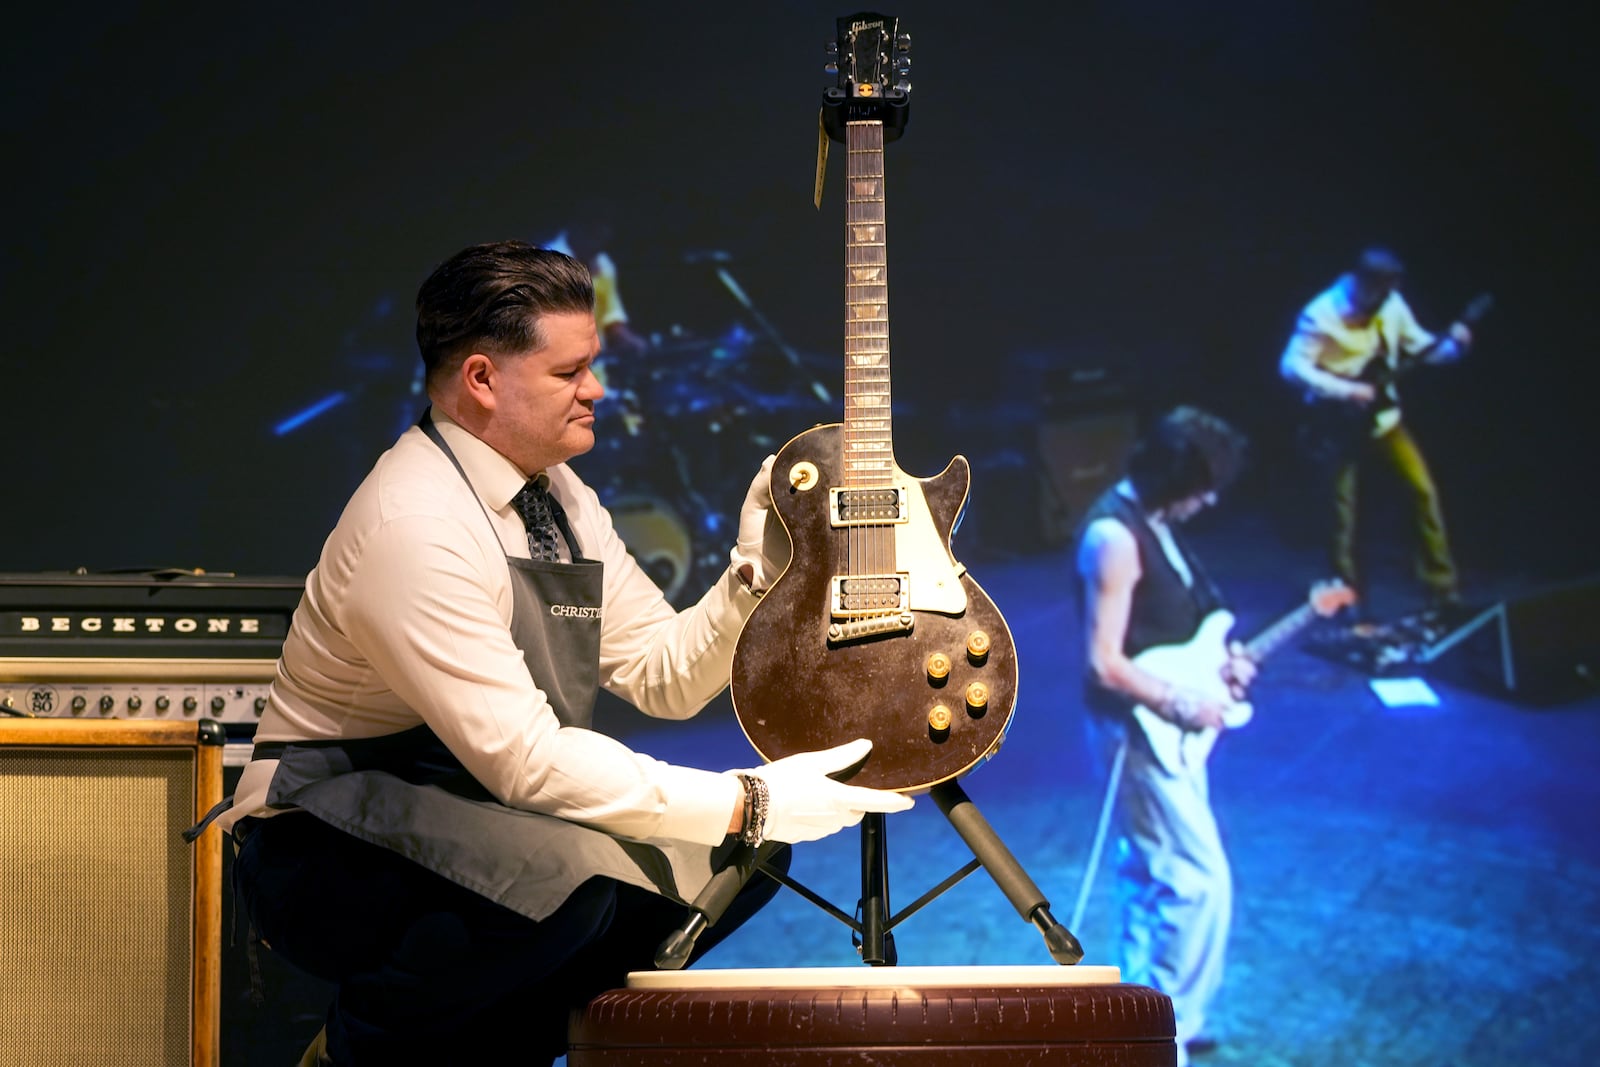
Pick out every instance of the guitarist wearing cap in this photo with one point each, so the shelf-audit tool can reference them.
(1349, 345)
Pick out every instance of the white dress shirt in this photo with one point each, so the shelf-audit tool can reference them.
(405, 621)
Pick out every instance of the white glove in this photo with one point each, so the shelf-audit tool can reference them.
(763, 546)
(804, 804)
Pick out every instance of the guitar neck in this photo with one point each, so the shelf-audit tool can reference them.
(868, 448)
(1279, 633)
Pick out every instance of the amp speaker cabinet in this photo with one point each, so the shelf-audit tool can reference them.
(1554, 653)
(1080, 456)
(110, 924)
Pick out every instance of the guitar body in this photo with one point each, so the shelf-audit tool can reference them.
(796, 689)
(1196, 664)
(1333, 430)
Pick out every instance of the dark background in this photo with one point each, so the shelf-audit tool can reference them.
(220, 217)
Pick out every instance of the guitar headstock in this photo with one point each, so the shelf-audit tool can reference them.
(872, 60)
(1328, 597)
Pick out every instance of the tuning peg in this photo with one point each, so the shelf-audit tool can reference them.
(832, 47)
(902, 42)
(831, 66)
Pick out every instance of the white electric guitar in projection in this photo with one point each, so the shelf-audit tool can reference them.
(1197, 664)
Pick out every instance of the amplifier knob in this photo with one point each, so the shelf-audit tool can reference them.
(189, 704)
(260, 705)
(134, 703)
(78, 704)
(218, 704)
(163, 702)
(107, 702)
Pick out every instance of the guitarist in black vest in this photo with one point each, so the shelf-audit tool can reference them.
(1141, 588)
(1348, 346)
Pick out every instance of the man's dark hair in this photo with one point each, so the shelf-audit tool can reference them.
(1378, 268)
(1184, 453)
(490, 298)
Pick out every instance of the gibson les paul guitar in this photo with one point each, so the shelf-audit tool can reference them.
(874, 630)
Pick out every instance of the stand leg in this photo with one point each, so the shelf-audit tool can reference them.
(712, 902)
(877, 944)
(1006, 871)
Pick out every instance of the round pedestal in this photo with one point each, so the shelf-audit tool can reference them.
(884, 1016)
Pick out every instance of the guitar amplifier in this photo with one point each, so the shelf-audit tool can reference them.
(110, 923)
(163, 646)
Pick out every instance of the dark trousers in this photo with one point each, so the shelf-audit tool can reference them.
(430, 972)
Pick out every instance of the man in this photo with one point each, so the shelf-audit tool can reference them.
(427, 822)
(1356, 331)
(1141, 588)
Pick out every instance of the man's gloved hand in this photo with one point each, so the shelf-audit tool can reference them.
(762, 550)
(804, 804)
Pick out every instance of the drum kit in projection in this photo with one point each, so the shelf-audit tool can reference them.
(678, 435)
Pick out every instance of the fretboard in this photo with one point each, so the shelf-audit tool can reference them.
(1273, 637)
(868, 450)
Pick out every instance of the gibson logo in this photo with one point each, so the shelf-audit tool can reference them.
(81, 624)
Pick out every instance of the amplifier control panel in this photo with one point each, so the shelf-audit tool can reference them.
(230, 692)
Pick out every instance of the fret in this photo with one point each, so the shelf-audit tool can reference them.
(869, 455)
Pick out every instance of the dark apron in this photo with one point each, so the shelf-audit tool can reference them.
(408, 793)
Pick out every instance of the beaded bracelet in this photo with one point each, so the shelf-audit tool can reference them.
(756, 801)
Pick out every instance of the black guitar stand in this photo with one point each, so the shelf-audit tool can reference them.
(873, 921)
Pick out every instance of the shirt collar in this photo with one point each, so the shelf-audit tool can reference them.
(1344, 301)
(493, 477)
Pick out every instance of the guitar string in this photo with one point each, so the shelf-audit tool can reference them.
(870, 545)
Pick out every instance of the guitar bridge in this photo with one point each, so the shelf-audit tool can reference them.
(868, 507)
(856, 630)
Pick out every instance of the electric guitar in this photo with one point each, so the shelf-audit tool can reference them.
(1334, 429)
(1197, 664)
(874, 629)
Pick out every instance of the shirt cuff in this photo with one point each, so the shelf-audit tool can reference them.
(699, 804)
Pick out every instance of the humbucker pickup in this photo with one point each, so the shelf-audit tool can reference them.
(862, 507)
(854, 595)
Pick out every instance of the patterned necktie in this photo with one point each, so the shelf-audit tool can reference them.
(537, 509)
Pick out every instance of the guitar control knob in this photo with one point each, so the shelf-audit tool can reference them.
(938, 667)
(977, 698)
(804, 475)
(978, 646)
(939, 719)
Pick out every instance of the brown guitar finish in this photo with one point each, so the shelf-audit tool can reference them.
(794, 692)
(874, 630)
